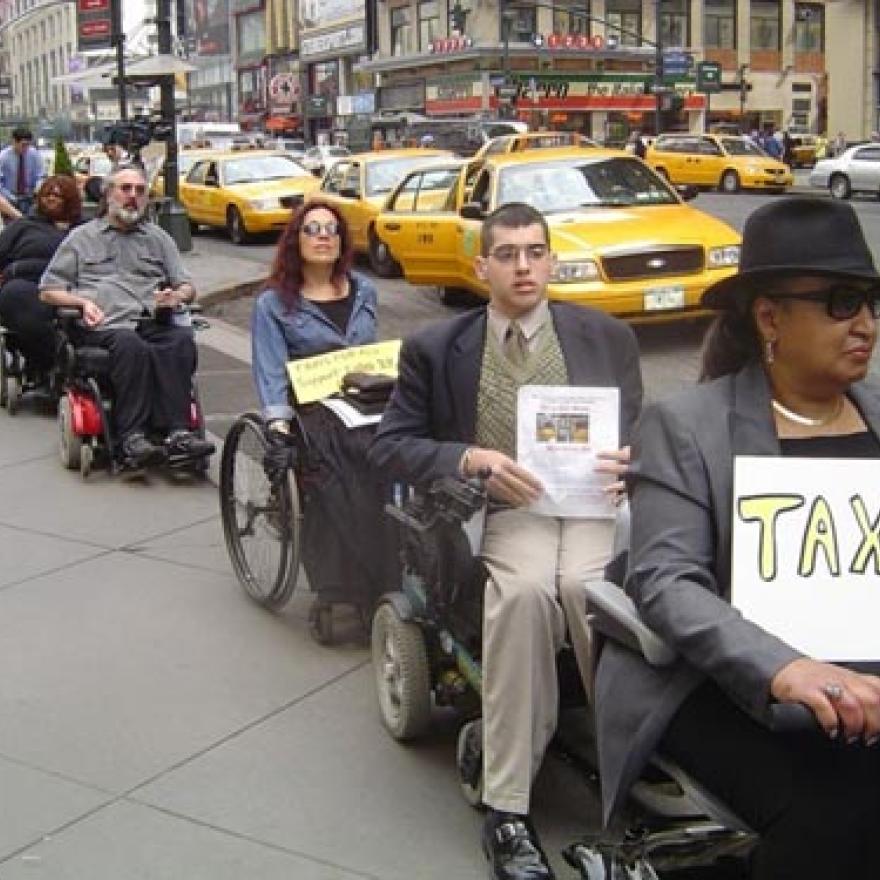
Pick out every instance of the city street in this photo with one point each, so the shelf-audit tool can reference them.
(158, 725)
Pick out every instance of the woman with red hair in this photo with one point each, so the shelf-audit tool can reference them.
(315, 303)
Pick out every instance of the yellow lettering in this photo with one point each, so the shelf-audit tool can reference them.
(819, 533)
(765, 509)
(870, 545)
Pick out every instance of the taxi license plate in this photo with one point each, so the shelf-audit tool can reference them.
(659, 298)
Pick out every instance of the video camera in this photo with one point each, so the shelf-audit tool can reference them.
(134, 134)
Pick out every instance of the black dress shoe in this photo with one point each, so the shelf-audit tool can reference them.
(186, 443)
(139, 452)
(511, 844)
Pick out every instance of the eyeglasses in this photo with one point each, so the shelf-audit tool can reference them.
(841, 303)
(137, 188)
(511, 253)
(313, 228)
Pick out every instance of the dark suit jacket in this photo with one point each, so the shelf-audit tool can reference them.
(679, 575)
(431, 418)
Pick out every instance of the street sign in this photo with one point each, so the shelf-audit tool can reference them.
(708, 77)
(676, 62)
(507, 92)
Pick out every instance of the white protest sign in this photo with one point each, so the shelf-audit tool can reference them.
(806, 552)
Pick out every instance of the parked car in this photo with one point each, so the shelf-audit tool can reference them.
(90, 164)
(624, 240)
(857, 169)
(358, 186)
(319, 159)
(725, 162)
(244, 191)
(534, 140)
(804, 150)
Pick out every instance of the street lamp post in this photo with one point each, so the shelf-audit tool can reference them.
(658, 68)
(118, 38)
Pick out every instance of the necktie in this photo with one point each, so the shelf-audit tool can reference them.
(516, 347)
(21, 183)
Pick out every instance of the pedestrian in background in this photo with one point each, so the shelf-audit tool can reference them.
(838, 145)
(21, 170)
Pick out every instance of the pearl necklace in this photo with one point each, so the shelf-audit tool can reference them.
(806, 421)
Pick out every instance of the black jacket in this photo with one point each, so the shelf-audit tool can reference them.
(27, 245)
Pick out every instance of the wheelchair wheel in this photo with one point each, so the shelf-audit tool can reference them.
(469, 761)
(261, 521)
(4, 372)
(13, 394)
(70, 446)
(403, 680)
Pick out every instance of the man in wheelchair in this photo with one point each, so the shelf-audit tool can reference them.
(126, 276)
(453, 413)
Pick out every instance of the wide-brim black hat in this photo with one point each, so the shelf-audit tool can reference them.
(795, 236)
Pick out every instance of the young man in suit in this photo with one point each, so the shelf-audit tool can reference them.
(453, 412)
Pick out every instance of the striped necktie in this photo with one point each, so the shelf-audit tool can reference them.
(516, 346)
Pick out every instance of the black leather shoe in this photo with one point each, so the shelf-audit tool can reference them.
(511, 845)
(139, 452)
(188, 444)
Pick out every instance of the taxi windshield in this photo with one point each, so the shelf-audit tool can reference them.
(250, 169)
(384, 175)
(583, 183)
(742, 147)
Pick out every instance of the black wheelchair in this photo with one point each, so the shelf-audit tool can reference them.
(426, 652)
(85, 406)
(271, 526)
(18, 378)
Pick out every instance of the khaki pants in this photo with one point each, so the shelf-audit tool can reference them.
(537, 567)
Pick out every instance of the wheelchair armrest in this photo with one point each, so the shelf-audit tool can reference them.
(457, 499)
(68, 313)
(614, 615)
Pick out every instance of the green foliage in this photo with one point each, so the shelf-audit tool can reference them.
(63, 165)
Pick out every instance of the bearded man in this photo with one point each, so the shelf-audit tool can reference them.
(126, 276)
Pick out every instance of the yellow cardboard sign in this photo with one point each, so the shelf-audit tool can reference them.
(317, 377)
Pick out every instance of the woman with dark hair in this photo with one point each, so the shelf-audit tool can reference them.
(783, 372)
(26, 248)
(313, 304)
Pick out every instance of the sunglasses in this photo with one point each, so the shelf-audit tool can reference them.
(313, 228)
(841, 303)
(137, 188)
(507, 254)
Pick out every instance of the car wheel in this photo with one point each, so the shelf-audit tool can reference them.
(194, 227)
(381, 261)
(729, 182)
(235, 226)
(839, 187)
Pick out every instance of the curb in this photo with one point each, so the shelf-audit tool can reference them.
(234, 291)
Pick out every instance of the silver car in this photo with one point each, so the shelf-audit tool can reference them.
(854, 170)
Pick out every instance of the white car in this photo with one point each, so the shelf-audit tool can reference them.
(856, 169)
(319, 159)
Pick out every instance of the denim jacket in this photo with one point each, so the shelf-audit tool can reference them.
(280, 333)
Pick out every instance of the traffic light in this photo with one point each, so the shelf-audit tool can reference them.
(457, 18)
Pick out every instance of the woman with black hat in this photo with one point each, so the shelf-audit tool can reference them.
(783, 366)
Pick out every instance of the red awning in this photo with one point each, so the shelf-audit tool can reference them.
(282, 123)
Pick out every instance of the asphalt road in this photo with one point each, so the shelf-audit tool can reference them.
(670, 352)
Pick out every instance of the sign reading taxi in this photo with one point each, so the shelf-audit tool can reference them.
(806, 553)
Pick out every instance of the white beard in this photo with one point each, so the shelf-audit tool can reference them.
(129, 216)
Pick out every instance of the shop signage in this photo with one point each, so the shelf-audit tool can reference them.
(284, 88)
(573, 41)
(94, 24)
(450, 44)
(318, 105)
(344, 39)
(708, 77)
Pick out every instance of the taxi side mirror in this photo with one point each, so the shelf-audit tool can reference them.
(687, 192)
(472, 211)
(349, 192)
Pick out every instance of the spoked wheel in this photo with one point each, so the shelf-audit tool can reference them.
(4, 372)
(729, 182)
(469, 761)
(235, 226)
(261, 520)
(321, 622)
(70, 446)
(13, 394)
(403, 680)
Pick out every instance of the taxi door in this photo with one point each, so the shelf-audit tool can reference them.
(478, 191)
(192, 192)
(215, 198)
(711, 164)
(419, 226)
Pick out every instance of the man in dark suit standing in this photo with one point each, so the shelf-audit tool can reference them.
(453, 412)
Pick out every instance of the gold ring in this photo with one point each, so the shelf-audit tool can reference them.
(832, 690)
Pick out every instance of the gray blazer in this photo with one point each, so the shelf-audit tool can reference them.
(679, 569)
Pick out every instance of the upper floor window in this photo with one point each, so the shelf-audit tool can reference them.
(624, 18)
(524, 24)
(401, 31)
(566, 21)
(429, 23)
(675, 23)
(809, 27)
(765, 25)
(719, 24)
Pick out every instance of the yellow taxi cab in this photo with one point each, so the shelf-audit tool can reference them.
(186, 158)
(624, 239)
(357, 187)
(727, 162)
(246, 192)
(533, 140)
(803, 152)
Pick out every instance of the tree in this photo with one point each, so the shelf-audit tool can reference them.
(63, 165)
